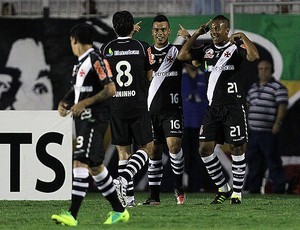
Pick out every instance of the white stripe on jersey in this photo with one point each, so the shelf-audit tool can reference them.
(217, 71)
(159, 78)
(80, 77)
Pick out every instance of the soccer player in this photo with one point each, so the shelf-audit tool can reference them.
(225, 119)
(165, 106)
(87, 101)
(131, 63)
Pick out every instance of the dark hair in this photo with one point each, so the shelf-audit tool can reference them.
(222, 18)
(123, 23)
(161, 18)
(270, 62)
(83, 33)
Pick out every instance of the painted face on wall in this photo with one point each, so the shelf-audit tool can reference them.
(35, 91)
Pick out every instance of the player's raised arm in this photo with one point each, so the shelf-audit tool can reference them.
(252, 52)
(184, 54)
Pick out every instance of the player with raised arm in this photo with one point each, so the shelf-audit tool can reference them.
(225, 119)
(165, 106)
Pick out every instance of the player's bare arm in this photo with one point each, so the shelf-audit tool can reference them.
(183, 33)
(136, 28)
(252, 52)
(108, 91)
(63, 109)
(184, 54)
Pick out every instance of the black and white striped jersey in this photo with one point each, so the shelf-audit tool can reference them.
(263, 102)
(222, 64)
(130, 59)
(89, 77)
(165, 88)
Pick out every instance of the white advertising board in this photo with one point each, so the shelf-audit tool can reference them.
(36, 155)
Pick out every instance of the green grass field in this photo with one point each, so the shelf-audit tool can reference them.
(256, 212)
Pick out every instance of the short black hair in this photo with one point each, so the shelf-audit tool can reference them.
(222, 18)
(161, 18)
(83, 33)
(123, 23)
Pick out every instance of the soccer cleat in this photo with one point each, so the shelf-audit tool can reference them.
(121, 189)
(221, 197)
(180, 196)
(131, 204)
(235, 200)
(116, 217)
(65, 218)
(151, 201)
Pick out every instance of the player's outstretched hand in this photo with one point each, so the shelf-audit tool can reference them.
(137, 27)
(183, 33)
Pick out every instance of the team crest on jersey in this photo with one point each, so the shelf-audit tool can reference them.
(81, 73)
(209, 53)
(170, 59)
(227, 54)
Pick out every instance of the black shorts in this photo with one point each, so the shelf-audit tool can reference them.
(167, 125)
(125, 131)
(89, 147)
(225, 123)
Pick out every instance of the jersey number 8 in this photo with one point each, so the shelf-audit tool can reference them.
(121, 73)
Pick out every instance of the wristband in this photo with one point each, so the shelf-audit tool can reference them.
(205, 29)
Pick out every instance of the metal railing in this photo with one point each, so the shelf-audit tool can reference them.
(75, 8)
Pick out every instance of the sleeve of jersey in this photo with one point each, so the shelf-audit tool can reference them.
(197, 53)
(103, 70)
(149, 58)
(241, 49)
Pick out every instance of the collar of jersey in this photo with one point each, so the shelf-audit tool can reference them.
(159, 49)
(82, 56)
(124, 37)
(220, 47)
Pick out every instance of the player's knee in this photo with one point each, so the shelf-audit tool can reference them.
(238, 150)
(175, 149)
(205, 150)
(96, 170)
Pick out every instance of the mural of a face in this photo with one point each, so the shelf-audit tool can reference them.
(35, 92)
(5, 83)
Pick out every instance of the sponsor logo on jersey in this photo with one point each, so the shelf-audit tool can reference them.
(128, 93)
(209, 53)
(166, 74)
(110, 53)
(211, 68)
(151, 56)
(83, 89)
(100, 71)
(126, 52)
